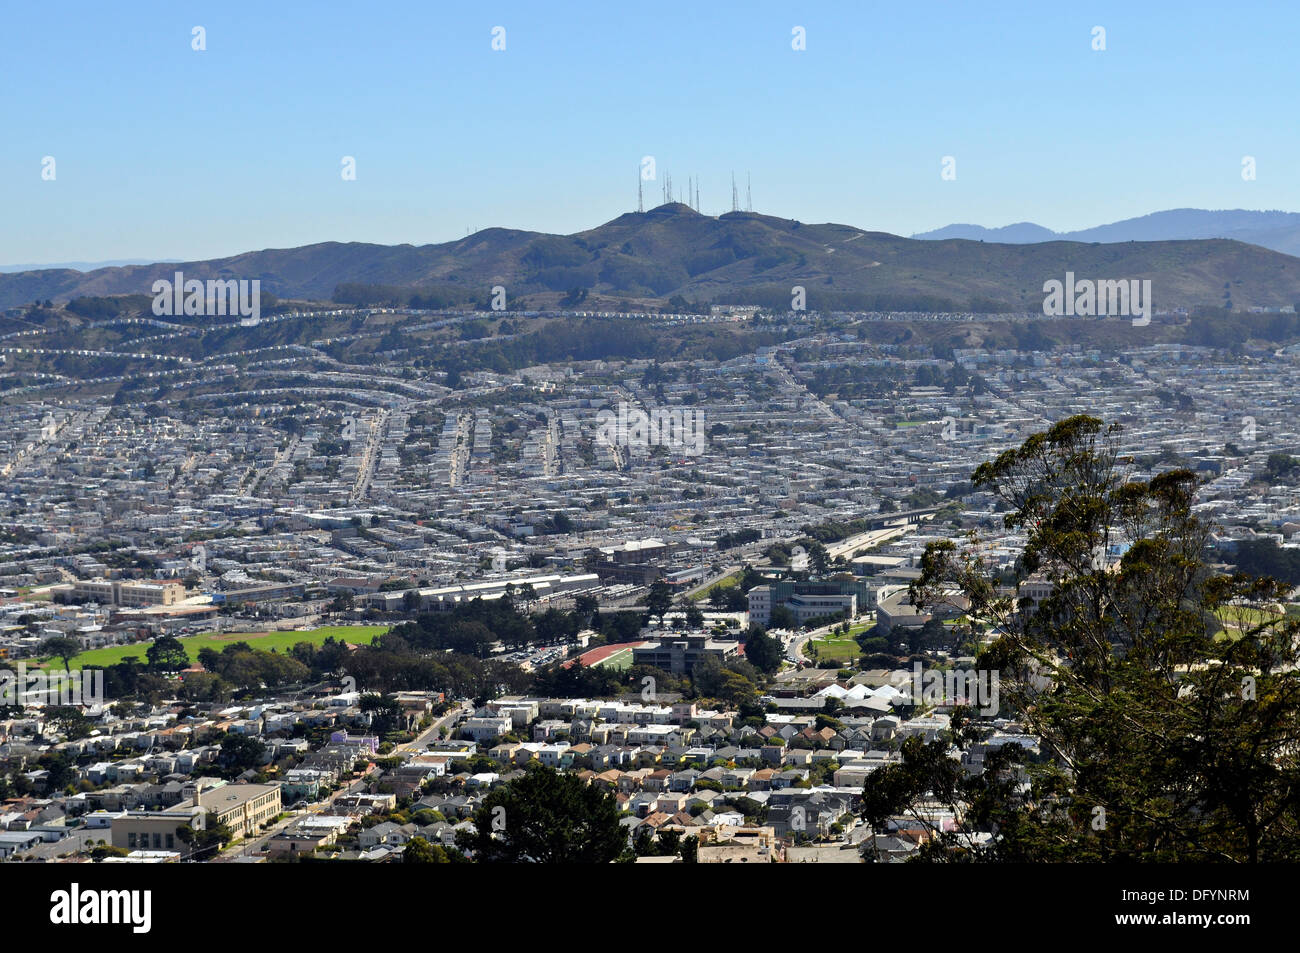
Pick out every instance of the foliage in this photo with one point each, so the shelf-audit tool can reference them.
(546, 817)
(1160, 741)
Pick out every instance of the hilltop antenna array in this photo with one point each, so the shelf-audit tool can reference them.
(735, 197)
(691, 199)
(749, 202)
(640, 201)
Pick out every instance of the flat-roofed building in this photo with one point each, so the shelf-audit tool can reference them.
(150, 593)
(111, 592)
(681, 655)
(244, 808)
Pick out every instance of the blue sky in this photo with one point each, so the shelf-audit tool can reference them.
(162, 151)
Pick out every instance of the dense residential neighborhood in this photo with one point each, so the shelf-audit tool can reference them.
(332, 623)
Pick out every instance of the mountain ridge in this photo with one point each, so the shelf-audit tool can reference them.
(673, 253)
(1273, 229)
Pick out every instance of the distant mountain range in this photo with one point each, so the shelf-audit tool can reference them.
(81, 265)
(740, 257)
(1279, 231)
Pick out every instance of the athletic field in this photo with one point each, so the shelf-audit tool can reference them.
(266, 641)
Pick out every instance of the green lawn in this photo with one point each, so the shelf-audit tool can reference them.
(840, 650)
(1243, 616)
(266, 641)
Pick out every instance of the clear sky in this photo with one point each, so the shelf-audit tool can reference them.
(162, 151)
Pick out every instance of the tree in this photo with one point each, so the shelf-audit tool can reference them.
(167, 654)
(70, 722)
(1160, 741)
(552, 625)
(385, 713)
(420, 851)
(61, 646)
(240, 753)
(209, 837)
(782, 618)
(659, 600)
(694, 615)
(690, 849)
(818, 558)
(763, 651)
(546, 817)
(585, 606)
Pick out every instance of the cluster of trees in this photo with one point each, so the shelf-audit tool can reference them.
(239, 753)
(449, 651)
(951, 379)
(1280, 468)
(1264, 557)
(470, 629)
(240, 667)
(739, 538)
(1160, 740)
(103, 309)
(1225, 328)
(420, 851)
(819, 560)
(390, 665)
(545, 817)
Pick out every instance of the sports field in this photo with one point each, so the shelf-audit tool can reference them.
(841, 650)
(266, 641)
(620, 660)
(617, 656)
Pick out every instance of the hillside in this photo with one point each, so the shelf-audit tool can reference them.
(738, 257)
(1279, 231)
